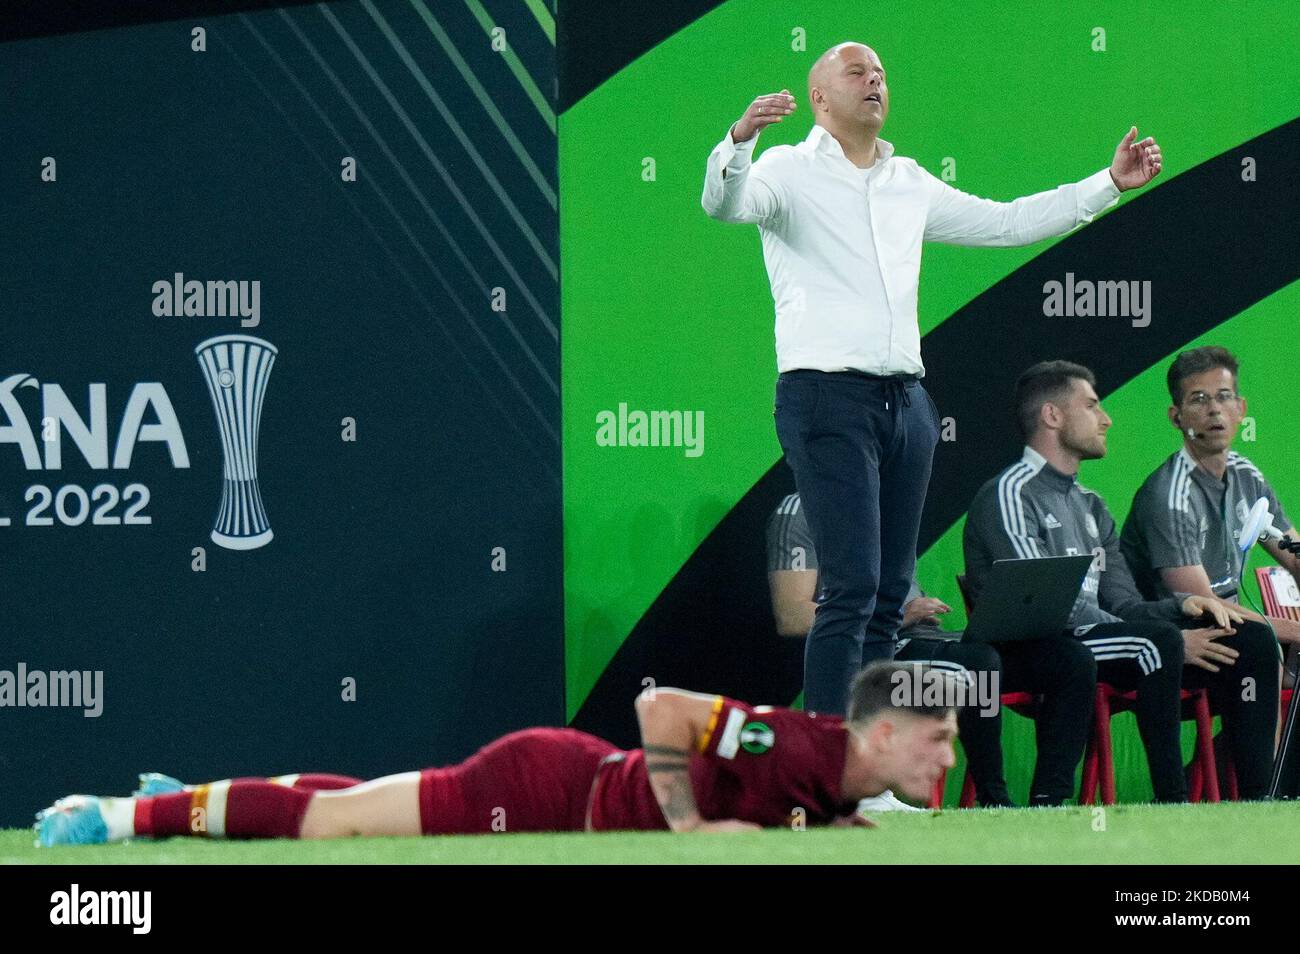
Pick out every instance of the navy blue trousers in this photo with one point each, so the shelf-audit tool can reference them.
(861, 449)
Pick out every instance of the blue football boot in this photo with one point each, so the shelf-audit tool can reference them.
(155, 783)
(72, 820)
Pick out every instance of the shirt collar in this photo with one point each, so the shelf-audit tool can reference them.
(822, 141)
(1040, 465)
(1200, 473)
(1033, 458)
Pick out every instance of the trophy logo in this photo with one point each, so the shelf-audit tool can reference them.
(237, 369)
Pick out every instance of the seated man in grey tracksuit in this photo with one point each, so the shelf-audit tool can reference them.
(1037, 508)
(1182, 531)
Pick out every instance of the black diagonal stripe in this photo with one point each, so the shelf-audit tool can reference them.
(25, 19)
(712, 626)
(592, 44)
(1211, 245)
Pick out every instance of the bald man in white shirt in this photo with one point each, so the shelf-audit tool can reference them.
(842, 220)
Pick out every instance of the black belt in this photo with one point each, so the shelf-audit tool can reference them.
(867, 375)
(896, 383)
(900, 378)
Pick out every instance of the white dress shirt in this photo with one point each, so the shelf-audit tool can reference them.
(843, 244)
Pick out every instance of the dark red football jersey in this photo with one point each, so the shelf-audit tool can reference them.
(757, 764)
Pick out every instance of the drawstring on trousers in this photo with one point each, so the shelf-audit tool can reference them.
(897, 392)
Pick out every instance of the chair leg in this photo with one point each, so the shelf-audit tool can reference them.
(936, 795)
(1105, 754)
(1088, 784)
(1205, 747)
(967, 792)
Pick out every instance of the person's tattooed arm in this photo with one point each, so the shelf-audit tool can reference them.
(670, 779)
(675, 723)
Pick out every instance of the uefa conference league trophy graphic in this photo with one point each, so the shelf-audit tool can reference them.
(237, 368)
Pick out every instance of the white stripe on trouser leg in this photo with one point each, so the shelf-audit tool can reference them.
(1148, 660)
(1142, 663)
(216, 821)
(1150, 653)
(957, 669)
(1127, 647)
(288, 781)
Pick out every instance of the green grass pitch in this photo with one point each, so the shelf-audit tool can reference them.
(1228, 833)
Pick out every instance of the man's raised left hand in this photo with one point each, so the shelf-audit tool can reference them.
(1135, 163)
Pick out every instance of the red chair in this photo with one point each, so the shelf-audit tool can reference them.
(1098, 758)
(1278, 588)
(1281, 599)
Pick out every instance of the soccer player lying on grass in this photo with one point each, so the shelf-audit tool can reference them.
(707, 763)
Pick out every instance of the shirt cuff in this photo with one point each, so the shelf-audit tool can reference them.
(735, 156)
(1098, 192)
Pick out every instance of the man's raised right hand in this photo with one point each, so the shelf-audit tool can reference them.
(763, 112)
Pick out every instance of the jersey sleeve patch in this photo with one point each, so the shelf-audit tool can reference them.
(729, 743)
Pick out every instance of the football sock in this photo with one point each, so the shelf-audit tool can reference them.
(317, 781)
(239, 808)
(119, 817)
(314, 781)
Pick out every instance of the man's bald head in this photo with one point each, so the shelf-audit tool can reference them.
(839, 85)
(818, 74)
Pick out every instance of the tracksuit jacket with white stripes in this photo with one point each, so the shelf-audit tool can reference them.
(1033, 510)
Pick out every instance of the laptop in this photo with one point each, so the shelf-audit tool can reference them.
(1027, 599)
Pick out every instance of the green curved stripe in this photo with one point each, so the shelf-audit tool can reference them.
(666, 309)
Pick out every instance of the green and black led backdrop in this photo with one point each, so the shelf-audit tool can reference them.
(666, 309)
(360, 431)
(292, 451)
